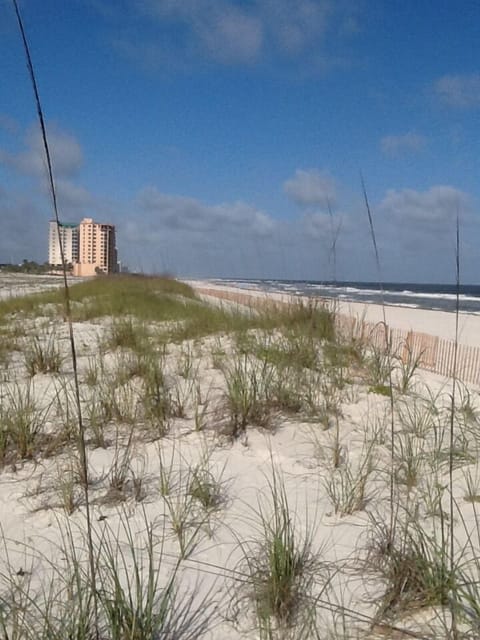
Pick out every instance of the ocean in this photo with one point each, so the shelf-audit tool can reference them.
(404, 294)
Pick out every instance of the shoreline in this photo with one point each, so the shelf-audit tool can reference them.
(432, 322)
(414, 295)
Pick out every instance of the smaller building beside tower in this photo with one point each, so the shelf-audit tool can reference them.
(90, 247)
(69, 235)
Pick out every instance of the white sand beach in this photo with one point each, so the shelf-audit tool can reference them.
(20, 284)
(212, 501)
(432, 322)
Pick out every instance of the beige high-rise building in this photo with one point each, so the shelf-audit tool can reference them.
(97, 248)
(68, 232)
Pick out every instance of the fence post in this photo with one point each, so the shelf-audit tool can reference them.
(407, 346)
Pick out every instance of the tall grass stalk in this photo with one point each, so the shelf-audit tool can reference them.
(453, 605)
(388, 350)
(407, 367)
(334, 232)
(66, 301)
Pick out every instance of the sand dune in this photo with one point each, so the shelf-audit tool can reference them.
(329, 464)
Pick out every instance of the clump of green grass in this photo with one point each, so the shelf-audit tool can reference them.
(293, 349)
(138, 598)
(410, 458)
(134, 603)
(472, 482)
(248, 394)
(4, 442)
(93, 371)
(341, 354)
(42, 356)
(113, 402)
(457, 454)
(22, 423)
(323, 399)
(129, 365)
(414, 567)
(310, 318)
(467, 412)
(120, 474)
(156, 399)
(98, 414)
(196, 319)
(466, 599)
(280, 567)
(66, 411)
(186, 366)
(184, 523)
(288, 389)
(7, 345)
(167, 472)
(381, 390)
(125, 333)
(120, 469)
(205, 487)
(68, 483)
(346, 483)
(378, 366)
(418, 416)
(200, 411)
(407, 367)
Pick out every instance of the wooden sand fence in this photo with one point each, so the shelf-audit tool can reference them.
(436, 354)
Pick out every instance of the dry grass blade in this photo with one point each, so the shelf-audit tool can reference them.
(66, 299)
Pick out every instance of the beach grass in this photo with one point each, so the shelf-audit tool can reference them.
(177, 394)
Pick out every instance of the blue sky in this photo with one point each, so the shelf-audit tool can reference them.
(216, 133)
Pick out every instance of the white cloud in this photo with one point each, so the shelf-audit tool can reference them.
(462, 90)
(67, 160)
(293, 25)
(433, 210)
(231, 36)
(311, 188)
(218, 29)
(72, 198)
(183, 213)
(408, 142)
(65, 152)
(233, 32)
(318, 226)
(24, 229)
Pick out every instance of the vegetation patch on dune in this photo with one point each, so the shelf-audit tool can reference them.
(240, 450)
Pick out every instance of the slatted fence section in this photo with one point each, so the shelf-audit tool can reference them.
(436, 354)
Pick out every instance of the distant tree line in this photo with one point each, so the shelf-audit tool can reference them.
(27, 266)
